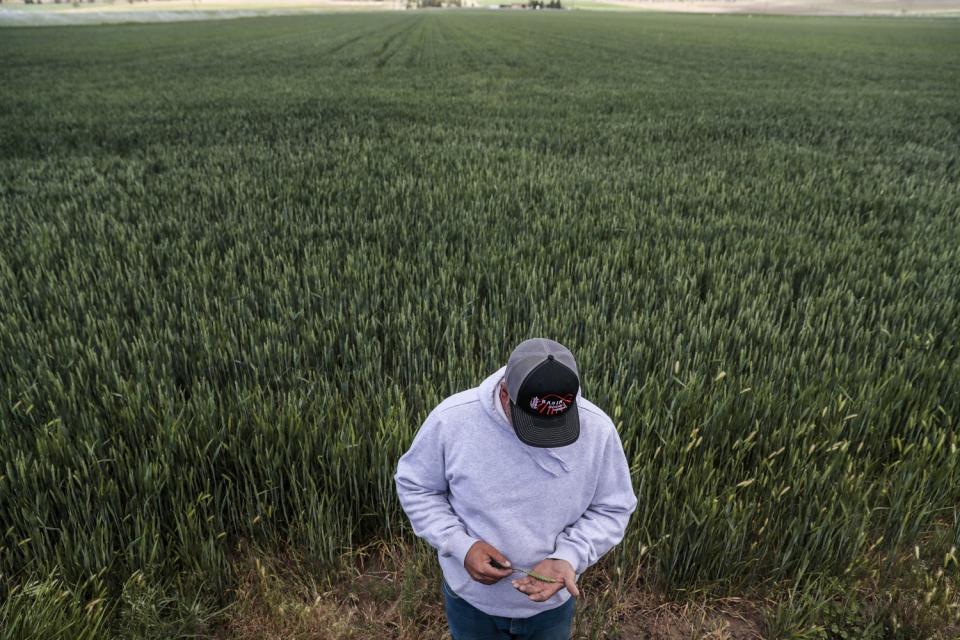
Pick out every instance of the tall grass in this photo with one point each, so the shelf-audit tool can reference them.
(240, 262)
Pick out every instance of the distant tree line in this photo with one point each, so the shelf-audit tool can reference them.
(531, 4)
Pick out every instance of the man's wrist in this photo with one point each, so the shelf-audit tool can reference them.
(567, 555)
(458, 545)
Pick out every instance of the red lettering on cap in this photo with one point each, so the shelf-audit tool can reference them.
(552, 404)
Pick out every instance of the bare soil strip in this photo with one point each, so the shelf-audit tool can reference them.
(799, 8)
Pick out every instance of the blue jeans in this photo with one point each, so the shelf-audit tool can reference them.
(469, 623)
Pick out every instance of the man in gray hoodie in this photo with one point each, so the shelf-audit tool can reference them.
(521, 472)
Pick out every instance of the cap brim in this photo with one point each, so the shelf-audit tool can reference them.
(557, 431)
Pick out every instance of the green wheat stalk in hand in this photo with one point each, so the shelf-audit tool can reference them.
(532, 574)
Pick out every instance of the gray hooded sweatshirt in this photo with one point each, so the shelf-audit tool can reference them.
(468, 477)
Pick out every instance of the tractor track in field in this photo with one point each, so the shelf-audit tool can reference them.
(386, 53)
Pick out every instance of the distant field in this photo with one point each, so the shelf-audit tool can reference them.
(241, 260)
(51, 14)
(115, 11)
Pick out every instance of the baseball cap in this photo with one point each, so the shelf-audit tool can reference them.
(542, 381)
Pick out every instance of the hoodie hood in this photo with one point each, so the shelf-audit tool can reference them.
(550, 460)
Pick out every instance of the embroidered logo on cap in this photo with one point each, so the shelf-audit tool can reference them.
(552, 404)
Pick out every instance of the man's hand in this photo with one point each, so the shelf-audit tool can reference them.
(477, 563)
(538, 590)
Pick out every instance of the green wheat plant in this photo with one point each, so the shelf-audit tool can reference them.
(241, 260)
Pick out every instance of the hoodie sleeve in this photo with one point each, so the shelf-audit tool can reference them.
(604, 522)
(422, 488)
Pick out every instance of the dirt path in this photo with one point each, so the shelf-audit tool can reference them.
(800, 7)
